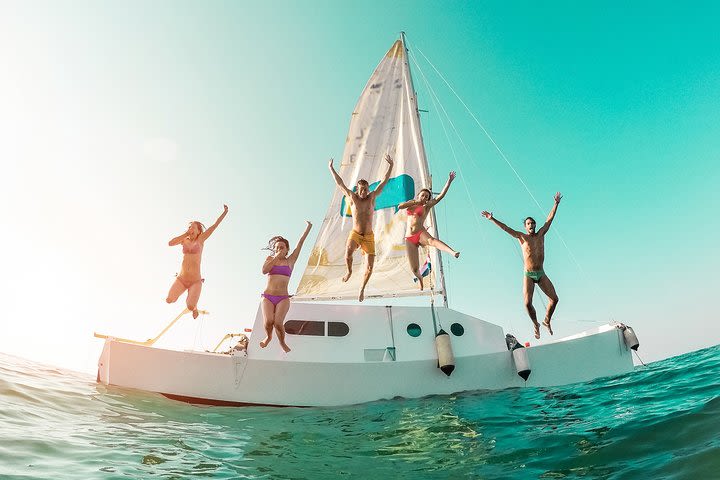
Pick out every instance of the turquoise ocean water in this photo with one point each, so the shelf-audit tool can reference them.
(660, 421)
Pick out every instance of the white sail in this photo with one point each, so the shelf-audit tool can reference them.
(385, 120)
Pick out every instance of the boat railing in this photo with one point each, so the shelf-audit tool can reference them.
(150, 341)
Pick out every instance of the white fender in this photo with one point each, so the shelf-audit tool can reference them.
(522, 364)
(446, 358)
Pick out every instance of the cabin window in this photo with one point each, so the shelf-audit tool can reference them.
(305, 327)
(338, 329)
(414, 330)
(457, 329)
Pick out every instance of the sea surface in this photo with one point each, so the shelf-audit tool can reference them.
(660, 421)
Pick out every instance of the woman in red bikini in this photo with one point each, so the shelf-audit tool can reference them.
(189, 277)
(416, 234)
(276, 300)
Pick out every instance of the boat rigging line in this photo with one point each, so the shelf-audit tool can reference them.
(497, 148)
(638, 357)
(487, 134)
(436, 101)
(198, 331)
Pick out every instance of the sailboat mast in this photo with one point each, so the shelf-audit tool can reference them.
(425, 163)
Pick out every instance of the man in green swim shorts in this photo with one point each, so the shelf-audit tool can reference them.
(533, 248)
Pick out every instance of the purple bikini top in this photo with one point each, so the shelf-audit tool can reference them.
(280, 270)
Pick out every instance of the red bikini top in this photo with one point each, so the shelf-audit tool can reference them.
(417, 211)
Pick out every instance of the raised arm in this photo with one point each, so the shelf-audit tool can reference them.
(204, 236)
(543, 230)
(269, 263)
(382, 184)
(510, 231)
(338, 180)
(408, 204)
(179, 239)
(294, 255)
(445, 189)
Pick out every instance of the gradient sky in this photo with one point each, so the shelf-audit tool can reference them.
(120, 122)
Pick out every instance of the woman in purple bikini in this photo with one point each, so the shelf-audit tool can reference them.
(189, 278)
(276, 301)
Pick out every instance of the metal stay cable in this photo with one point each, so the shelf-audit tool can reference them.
(487, 134)
(199, 333)
(504, 157)
(436, 102)
(499, 150)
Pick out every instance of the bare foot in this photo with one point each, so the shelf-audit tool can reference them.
(546, 323)
(420, 280)
(195, 313)
(265, 342)
(347, 276)
(456, 254)
(362, 296)
(537, 329)
(285, 347)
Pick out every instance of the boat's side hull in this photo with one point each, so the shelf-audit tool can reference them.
(226, 379)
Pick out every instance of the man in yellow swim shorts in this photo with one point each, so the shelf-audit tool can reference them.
(365, 242)
(362, 203)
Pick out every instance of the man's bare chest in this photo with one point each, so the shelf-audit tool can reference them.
(532, 243)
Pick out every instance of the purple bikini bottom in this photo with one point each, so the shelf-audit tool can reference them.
(274, 299)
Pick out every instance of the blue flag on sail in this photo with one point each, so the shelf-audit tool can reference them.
(425, 269)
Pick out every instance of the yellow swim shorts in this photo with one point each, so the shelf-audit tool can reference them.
(366, 242)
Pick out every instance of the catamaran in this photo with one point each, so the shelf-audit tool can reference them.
(344, 354)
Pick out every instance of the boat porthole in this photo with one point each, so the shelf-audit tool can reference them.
(457, 329)
(414, 330)
(338, 329)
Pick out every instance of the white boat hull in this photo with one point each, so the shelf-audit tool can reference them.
(359, 367)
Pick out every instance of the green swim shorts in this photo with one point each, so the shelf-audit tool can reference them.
(536, 275)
